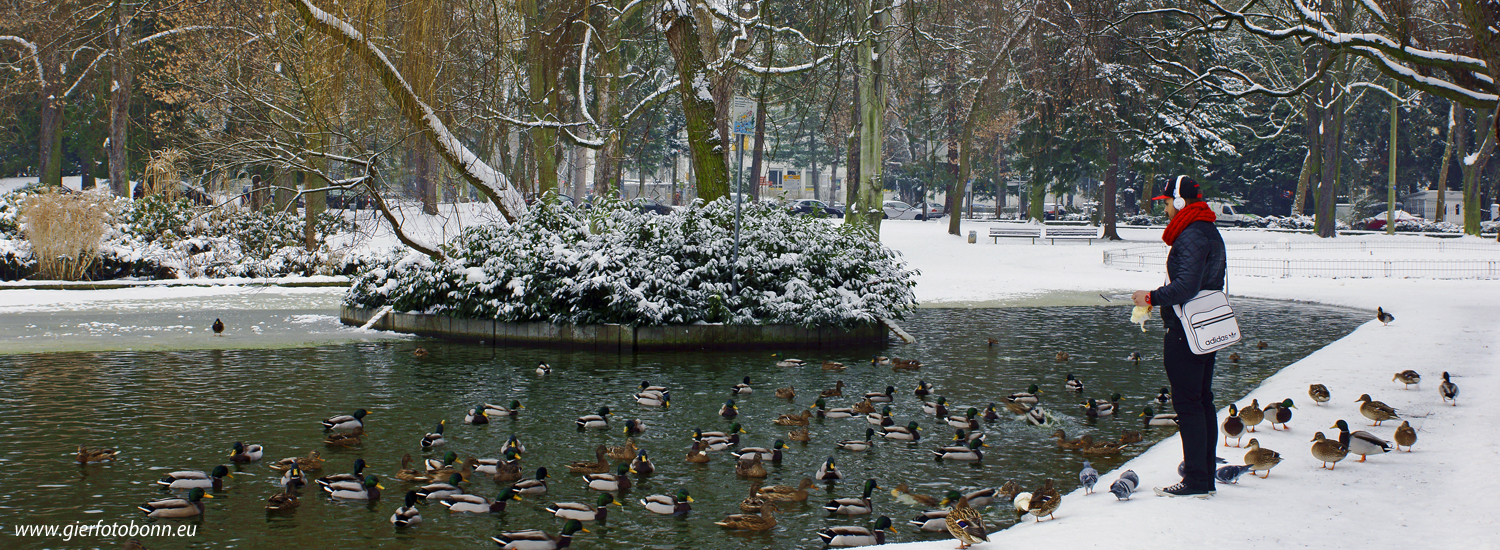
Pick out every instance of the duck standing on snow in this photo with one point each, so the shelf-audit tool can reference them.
(1449, 390)
(1408, 377)
(1406, 436)
(1375, 410)
(1045, 501)
(1361, 443)
(1259, 459)
(1279, 413)
(1328, 451)
(1318, 393)
(1233, 426)
(966, 525)
(1383, 317)
(1252, 415)
(218, 327)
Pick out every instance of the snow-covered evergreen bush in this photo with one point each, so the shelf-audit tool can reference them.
(619, 265)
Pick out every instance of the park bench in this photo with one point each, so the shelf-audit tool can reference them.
(1072, 232)
(1032, 232)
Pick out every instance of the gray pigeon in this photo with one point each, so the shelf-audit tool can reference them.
(1183, 464)
(1231, 473)
(1123, 487)
(1088, 476)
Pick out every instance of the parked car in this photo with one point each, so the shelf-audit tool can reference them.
(933, 209)
(812, 206)
(897, 210)
(1226, 215)
(647, 204)
(1377, 222)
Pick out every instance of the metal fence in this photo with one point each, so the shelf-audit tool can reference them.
(1468, 261)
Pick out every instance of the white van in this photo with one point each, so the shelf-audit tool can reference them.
(1227, 216)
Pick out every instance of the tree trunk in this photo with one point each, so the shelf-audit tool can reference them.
(540, 79)
(957, 176)
(1472, 171)
(1331, 121)
(1390, 201)
(314, 202)
(426, 174)
(122, 83)
(1453, 134)
(708, 151)
(851, 163)
(872, 123)
(757, 158)
(813, 177)
(1112, 156)
(607, 158)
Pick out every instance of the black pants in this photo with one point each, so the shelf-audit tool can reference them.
(1192, 377)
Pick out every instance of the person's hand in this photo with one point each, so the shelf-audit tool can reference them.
(1140, 298)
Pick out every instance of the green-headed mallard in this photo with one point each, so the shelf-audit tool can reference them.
(847, 536)
(188, 479)
(642, 464)
(582, 512)
(1405, 436)
(661, 399)
(763, 521)
(969, 420)
(543, 369)
(788, 393)
(889, 395)
(856, 445)
(1361, 443)
(533, 485)
(477, 416)
(882, 418)
(1030, 396)
(718, 441)
(1073, 384)
(1094, 408)
(634, 426)
(408, 514)
(787, 493)
(436, 491)
(625, 452)
(669, 505)
(409, 474)
(1375, 410)
(357, 475)
(598, 466)
(966, 525)
(1233, 426)
(970, 451)
(1327, 450)
(989, 414)
(435, 437)
(1252, 415)
(742, 388)
(442, 466)
(475, 504)
(799, 434)
(1318, 393)
(836, 391)
(828, 471)
(618, 481)
(1408, 377)
(310, 463)
(852, 506)
(825, 412)
(243, 453)
(1260, 459)
(904, 495)
(800, 419)
(513, 409)
(1279, 413)
(176, 507)
(923, 389)
(729, 409)
(294, 479)
(598, 420)
(513, 443)
(346, 422)
(369, 491)
(1448, 390)
(772, 454)
(978, 498)
(1167, 419)
(218, 327)
(535, 539)
(935, 407)
(750, 467)
(696, 455)
(897, 433)
(1044, 501)
(1163, 397)
(90, 454)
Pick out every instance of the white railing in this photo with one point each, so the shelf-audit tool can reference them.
(1446, 260)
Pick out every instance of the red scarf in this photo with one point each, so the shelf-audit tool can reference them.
(1195, 212)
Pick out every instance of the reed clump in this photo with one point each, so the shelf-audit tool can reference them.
(65, 230)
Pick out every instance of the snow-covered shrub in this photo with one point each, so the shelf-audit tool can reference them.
(15, 259)
(1145, 220)
(619, 265)
(1293, 222)
(156, 218)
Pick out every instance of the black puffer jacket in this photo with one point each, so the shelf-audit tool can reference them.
(1196, 262)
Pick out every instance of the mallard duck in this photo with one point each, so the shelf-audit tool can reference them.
(539, 540)
(1383, 317)
(642, 464)
(1073, 384)
(675, 505)
(729, 409)
(654, 399)
(888, 396)
(931, 521)
(218, 327)
(543, 368)
(718, 441)
(787, 493)
(369, 491)
(847, 536)
(909, 433)
(1448, 390)
(598, 466)
(176, 507)
(508, 470)
(284, 501)
(753, 501)
(513, 443)
(1061, 356)
(906, 364)
(441, 466)
(1030, 396)
(477, 416)
(992, 342)
(1134, 356)
(904, 495)
(836, 391)
(475, 504)
(1131, 437)
(750, 467)
(1327, 450)
(882, 418)
(696, 455)
(437, 491)
(853, 506)
(1018, 408)
(833, 365)
(1045, 501)
(923, 389)
(213, 480)
(772, 454)
(881, 360)
(625, 452)
(1318, 393)
(1405, 436)
(800, 419)
(790, 363)
(409, 474)
(857, 445)
(294, 479)
(618, 481)
(348, 439)
(243, 453)
(434, 438)
(647, 387)
(583, 512)
(1233, 426)
(1036, 416)
(1375, 410)
(1361, 443)
(742, 388)
(828, 471)
(989, 413)
(968, 452)
(1093, 408)
(763, 521)
(1408, 377)
(1103, 448)
(535, 485)
(966, 525)
(786, 393)
(419, 352)
(408, 514)
(1260, 459)
(91, 454)
(310, 463)
(357, 475)
(1064, 442)
(1123, 487)
(799, 434)
(1234, 357)
(513, 409)
(1088, 476)
(598, 420)
(1252, 415)
(346, 422)
(1262, 345)
(937, 408)
(1279, 413)
(634, 426)
(824, 412)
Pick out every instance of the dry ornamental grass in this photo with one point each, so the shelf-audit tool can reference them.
(65, 230)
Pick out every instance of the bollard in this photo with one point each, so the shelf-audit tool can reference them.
(972, 237)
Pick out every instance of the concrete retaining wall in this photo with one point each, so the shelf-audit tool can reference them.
(619, 338)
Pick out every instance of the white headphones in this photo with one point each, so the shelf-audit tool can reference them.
(1177, 200)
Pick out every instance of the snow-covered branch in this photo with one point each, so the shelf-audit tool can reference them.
(31, 46)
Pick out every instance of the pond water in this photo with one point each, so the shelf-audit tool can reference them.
(174, 410)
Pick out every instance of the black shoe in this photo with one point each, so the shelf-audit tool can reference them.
(1181, 490)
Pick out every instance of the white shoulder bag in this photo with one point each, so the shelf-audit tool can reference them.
(1208, 322)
